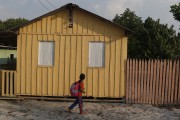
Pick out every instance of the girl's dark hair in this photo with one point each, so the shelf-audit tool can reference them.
(82, 76)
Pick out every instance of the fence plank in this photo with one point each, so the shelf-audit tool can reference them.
(151, 78)
(133, 81)
(136, 86)
(169, 82)
(154, 82)
(142, 69)
(15, 83)
(178, 78)
(11, 83)
(130, 83)
(173, 81)
(157, 83)
(127, 81)
(139, 82)
(7, 83)
(176, 82)
(160, 82)
(166, 83)
(148, 80)
(3, 79)
(0, 82)
(145, 81)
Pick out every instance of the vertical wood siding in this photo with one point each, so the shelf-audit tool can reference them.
(71, 56)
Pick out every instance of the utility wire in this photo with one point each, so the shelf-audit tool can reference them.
(44, 5)
(51, 4)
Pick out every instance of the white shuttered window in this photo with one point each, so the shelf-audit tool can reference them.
(96, 54)
(46, 53)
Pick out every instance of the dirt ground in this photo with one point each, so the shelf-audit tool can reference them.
(57, 110)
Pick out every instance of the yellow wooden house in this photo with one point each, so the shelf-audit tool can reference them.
(55, 48)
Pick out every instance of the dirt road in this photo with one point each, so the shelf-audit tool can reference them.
(56, 110)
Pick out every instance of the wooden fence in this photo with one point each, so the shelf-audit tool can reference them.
(153, 81)
(7, 83)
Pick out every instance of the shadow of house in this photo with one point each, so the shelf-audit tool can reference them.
(8, 43)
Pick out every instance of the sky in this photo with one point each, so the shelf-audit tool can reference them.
(30, 9)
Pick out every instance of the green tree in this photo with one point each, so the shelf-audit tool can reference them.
(133, 22)
(11, 23)
(177, 46)
(150, 39)
(175, 9)
(161, 39)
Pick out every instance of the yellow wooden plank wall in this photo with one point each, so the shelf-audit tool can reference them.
(71, 56)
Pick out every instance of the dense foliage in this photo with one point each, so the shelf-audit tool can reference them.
(150, 39)
(11, 23)
(175, 9)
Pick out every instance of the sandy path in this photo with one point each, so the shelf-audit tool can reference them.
(56, 110)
